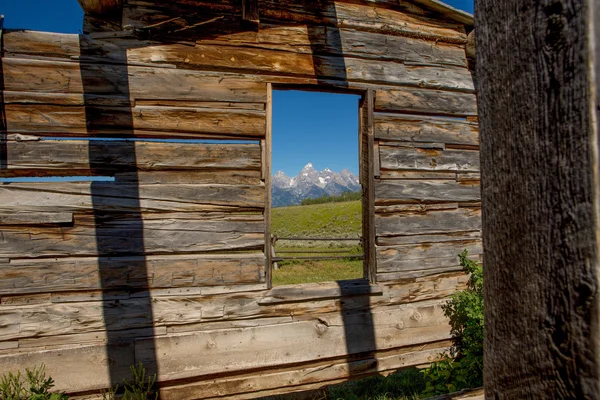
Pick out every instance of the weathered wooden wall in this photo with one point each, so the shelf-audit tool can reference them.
(165, 265)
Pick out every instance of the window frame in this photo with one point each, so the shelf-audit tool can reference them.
(367, 172)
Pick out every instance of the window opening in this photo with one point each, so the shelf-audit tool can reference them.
(316, 194)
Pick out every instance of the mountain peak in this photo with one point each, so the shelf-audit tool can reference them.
(310, 183)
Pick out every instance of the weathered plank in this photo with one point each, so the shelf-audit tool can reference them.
(410, 158)
(430, 222)
(32, 75)
(236, 349)
(170, 122)
(342, 41)
(395, 208)
(367, 18)
(79, 157)
(422, 129)
(150, 234)
(432, 238)
(434, 102)
(218, 177)
(76, 368)
(36, 218)
(423, 256)
(110, 196)
(298, 378)
(390, 192)
(332, 67)
(424, 288)
(324, 290)
(73, 274)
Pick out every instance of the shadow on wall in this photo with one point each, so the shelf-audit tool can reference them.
(117, 232)
(121, 232)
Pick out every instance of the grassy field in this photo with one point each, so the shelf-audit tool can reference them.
(318, 220)
(341, 220)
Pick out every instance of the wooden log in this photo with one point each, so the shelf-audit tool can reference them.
(434, 238)
(425, 288)
(124, 235)
(423, 256)
(433, 102)
(407, 158)
(395, 208)
(408, 128)
(308, 65)
(540, 155)
(324, 290)
(76, 368)
(73, 274)
(335, 41)
(299, 378)
(236, 349)
(34, 75)
(77, 157)
(36, 218)
(218, 177)
(366, 18)
(171, 122)
(110, 196)
(410, 191)
(430, 222)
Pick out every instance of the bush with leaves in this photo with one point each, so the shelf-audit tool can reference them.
(32, 386)
(140, 388)
(462, 368)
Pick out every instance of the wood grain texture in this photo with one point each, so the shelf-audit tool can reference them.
(110, 196)
(399, 157)
(539, 138)
(118, 235)
(78, 157)
(51, 76)
(247, 60)
(171, 122)
(422, 129)
(424, 256)
(429, 222)
(411, 191)
(237, 349)
(436, 102)
(342, 41)
(74, 274)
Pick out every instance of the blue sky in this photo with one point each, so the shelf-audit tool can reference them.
(321, 128)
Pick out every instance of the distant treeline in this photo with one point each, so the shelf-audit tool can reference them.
(346, 196)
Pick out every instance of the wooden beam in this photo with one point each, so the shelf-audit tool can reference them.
(250, 11)
(538, 65)
(267, 180)
(101, 7)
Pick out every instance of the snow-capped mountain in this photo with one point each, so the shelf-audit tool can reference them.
(310, 183)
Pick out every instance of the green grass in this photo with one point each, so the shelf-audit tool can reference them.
(341, 220)
(294, 272)
(318, 220)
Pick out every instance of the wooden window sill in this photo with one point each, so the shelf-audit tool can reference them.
(320, 291)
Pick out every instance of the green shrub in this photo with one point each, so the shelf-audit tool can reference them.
(33, 386)
(462, 368)
(140, 388)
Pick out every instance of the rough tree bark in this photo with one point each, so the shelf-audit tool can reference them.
(537, 70)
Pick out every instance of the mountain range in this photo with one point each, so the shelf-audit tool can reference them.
(310, 183)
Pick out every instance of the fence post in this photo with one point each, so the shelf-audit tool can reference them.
(538, 66)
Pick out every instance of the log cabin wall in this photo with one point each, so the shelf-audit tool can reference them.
(164, 262)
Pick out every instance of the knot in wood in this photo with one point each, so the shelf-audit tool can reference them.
(321, 328)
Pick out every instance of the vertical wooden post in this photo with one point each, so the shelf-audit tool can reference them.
(266, 168)
(250, 11)
(368, 184)
(537, 71)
